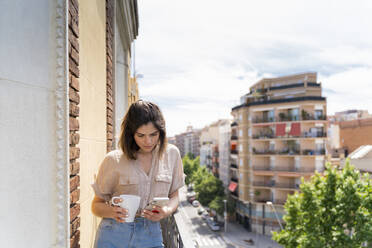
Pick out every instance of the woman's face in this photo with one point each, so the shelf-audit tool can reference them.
(147, 137)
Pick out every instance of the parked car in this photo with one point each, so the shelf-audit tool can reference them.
(213, 225)
(196, 203)
(204, 215)
(190, 188)
(201, 210)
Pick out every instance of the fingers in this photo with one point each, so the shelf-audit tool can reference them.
(119, 214)
(117, 200)
(156, 214)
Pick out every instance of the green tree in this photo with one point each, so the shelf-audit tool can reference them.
(334, 210)
(190, 166)
(218, 205)
(207, 186)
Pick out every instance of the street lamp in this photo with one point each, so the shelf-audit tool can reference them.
(276, 215)
(225, 214)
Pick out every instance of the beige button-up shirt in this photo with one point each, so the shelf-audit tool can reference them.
(117, 175)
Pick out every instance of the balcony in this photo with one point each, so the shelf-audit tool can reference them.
(233, 166)
(268, 184)
(234, 137)
(234, 179)
(173, 237)
(234, 151)
(288, 152)
(280, 201)
(313, 152)
(234, 124)
(287, 185)
(303, 135)
(273, 184)
(282, 169)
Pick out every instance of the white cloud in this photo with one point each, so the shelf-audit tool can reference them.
(199, 57)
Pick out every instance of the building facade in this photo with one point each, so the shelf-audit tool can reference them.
(278, 136)
(64, 69)
(189, 141)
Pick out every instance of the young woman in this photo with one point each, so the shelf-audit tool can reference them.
(145, 166)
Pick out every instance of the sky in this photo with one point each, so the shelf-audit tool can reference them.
(197, 58)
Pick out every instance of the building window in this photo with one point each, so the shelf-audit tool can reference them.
(240, 133)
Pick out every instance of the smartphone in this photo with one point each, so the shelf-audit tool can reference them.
(157, 201)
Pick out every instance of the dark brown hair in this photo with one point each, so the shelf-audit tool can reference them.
(141, 113)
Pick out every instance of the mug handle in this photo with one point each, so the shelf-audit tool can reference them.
(112, 201)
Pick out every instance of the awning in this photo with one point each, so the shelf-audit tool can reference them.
(280, 129)
(233, 186)
(295, 129)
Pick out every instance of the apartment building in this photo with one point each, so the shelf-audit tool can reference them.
(278, 136)
(188, 142)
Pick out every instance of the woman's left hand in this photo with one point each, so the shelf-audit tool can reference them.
(157, 213)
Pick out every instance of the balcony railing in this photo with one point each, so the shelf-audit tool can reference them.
(303, 135)
(286, 185)
(234, 166)
(273, 184)
(284, 118)
(280, 201)
(234, 137)
(281, 169)
(234, 151)
(172, 237)
(286, 151)
(234, 179)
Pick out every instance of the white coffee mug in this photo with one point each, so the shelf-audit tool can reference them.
(129, 202)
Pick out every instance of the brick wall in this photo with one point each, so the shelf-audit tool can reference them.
(109, 73)
(355, 133)
(74, 99)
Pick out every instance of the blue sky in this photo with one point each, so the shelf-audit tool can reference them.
(198, 57)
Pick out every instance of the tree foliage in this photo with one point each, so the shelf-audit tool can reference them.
(207, 186)
(334, 210)
(218, 205)
(190, 166)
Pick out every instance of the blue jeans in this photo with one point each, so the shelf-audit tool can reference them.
(142, 233)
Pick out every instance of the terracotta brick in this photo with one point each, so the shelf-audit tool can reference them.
(73, 67)
(74, 183)
(74, 168)
(74, 138)
(74, 95)
(74, 124)
(75, 196)
(74, 241)
(110, 136)
(74, 82)
(74, 110)
(73, 40)
(109, 128)
(75, 56)
(74, 152)
(75, 224)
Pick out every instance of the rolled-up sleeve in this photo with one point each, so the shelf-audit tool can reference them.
(178, 177)
(105, 182)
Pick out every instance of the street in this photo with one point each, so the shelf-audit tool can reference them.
(196, 227)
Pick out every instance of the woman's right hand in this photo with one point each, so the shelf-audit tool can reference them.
(118, 213)
(101, 209)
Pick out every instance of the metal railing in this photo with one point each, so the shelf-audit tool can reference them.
(281, 169)
(303, 135)
(172, 237)
(284, 118)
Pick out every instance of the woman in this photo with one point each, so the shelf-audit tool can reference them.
(145, 166)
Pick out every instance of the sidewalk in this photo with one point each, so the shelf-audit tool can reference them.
(236, 234)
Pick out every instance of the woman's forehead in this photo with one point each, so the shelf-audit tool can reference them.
(147, 128)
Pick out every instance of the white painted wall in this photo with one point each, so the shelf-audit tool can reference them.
(33, 123)
(121, 81)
